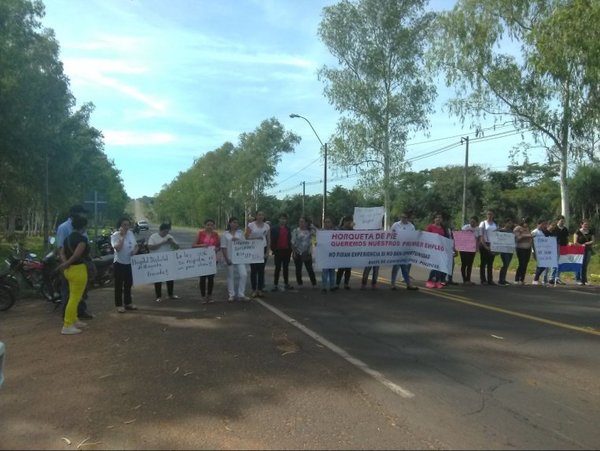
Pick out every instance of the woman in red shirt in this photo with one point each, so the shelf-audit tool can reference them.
(435, 277)
(207, 237)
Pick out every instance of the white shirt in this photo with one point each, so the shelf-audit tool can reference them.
(402, 227)
(476, 230)
(485, 228)
(156, 239)
(227, 241)
(124, 255)
(259, 232)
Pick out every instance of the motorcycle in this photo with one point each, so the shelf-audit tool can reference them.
(103, 246)
(9, 288)
(142, 246)
(104, 272)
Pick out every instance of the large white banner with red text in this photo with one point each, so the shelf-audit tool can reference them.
(358, 248)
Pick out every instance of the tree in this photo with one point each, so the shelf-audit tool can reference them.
(535, 61)
(380, 85)
(585, 187)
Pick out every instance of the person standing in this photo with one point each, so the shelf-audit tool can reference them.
(258, 230)
(561, 232)
(74, 252)
(435, 279)
(403, 225)
(347, 223)
(540, 230)
(584, 236)
(506, 257)
(302, 250)
(327, 274)
(524, 242)
(163, 241)
(281, 246)
(486, 267)
(207, 237)
(124, 243)
(233, 233)
(62, 232)
(467, 258)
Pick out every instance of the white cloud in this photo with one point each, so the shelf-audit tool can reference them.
(134, 138)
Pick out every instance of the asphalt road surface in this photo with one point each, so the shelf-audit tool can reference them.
(458, 368)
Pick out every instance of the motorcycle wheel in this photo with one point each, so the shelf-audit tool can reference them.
(7, 298)
(36, 278)
(50, 289)
(11, 282)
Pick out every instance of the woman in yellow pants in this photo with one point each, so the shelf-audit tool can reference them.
(75, 250)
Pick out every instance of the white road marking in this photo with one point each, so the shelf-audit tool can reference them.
(339, 351)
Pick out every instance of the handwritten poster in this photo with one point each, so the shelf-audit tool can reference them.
(370, 218)
(546, 251)
(248, 251)
(173, 265)
(503, 242)
(464, 241)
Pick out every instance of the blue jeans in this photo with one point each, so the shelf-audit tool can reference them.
(506, 259)
(328, 278)
(405, 270)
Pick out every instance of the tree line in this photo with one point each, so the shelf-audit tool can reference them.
(50, 155)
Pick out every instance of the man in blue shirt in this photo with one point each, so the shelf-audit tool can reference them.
(62, 232)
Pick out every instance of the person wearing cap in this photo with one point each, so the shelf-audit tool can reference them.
(62, 232)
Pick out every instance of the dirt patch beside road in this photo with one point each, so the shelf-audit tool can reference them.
(177, 375)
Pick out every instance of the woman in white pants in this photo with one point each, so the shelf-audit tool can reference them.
(233, 233)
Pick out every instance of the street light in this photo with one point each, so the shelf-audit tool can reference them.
(324, 147)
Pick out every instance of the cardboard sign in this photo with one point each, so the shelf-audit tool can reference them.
(248, 251)
(370, 218)
(503, 242)
(546, 251)
(464, 241)
(173, 265)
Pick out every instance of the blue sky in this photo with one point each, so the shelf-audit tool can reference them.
(172, 80)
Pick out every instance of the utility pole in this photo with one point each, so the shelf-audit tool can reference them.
(303, 195)
(464, 199)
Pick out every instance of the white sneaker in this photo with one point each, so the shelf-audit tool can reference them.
(71, 330)
(80, 324)
(158, 300)
(535, 282)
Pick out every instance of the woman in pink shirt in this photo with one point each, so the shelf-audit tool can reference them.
(207, 237)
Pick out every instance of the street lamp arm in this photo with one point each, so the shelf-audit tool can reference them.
(293, 116)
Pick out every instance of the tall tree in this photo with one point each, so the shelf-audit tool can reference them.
(380, 86)
(535, 61)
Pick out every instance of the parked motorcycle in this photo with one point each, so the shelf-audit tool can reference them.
(103, 245)
(8, 291)
(142, 246)
(104, 272)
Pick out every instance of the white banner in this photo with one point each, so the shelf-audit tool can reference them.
(502, 242)
(248, 251)
(173, 265)
(546, 251)
(370, 218)
(357, 249)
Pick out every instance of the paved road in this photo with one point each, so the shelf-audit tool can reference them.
(477, 367)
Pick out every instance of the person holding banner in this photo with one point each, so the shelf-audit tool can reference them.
(302, 250)
(403, 225)
(436, 278)
(233, 233)
(486, 266)
(124, 243)
(584, 236)
(161, 242)
(506, 257)
(327, 274)
(258, 230)
(524, 243)
(207, 237)
(467, 257)
(540, 230)
(347, 223)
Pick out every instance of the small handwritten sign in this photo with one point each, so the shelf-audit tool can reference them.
(173, 265)
(503, 242)
(248, 251)
(370, 218)
(464, 241)
(546, 251)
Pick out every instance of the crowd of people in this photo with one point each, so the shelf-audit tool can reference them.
(296, 244)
